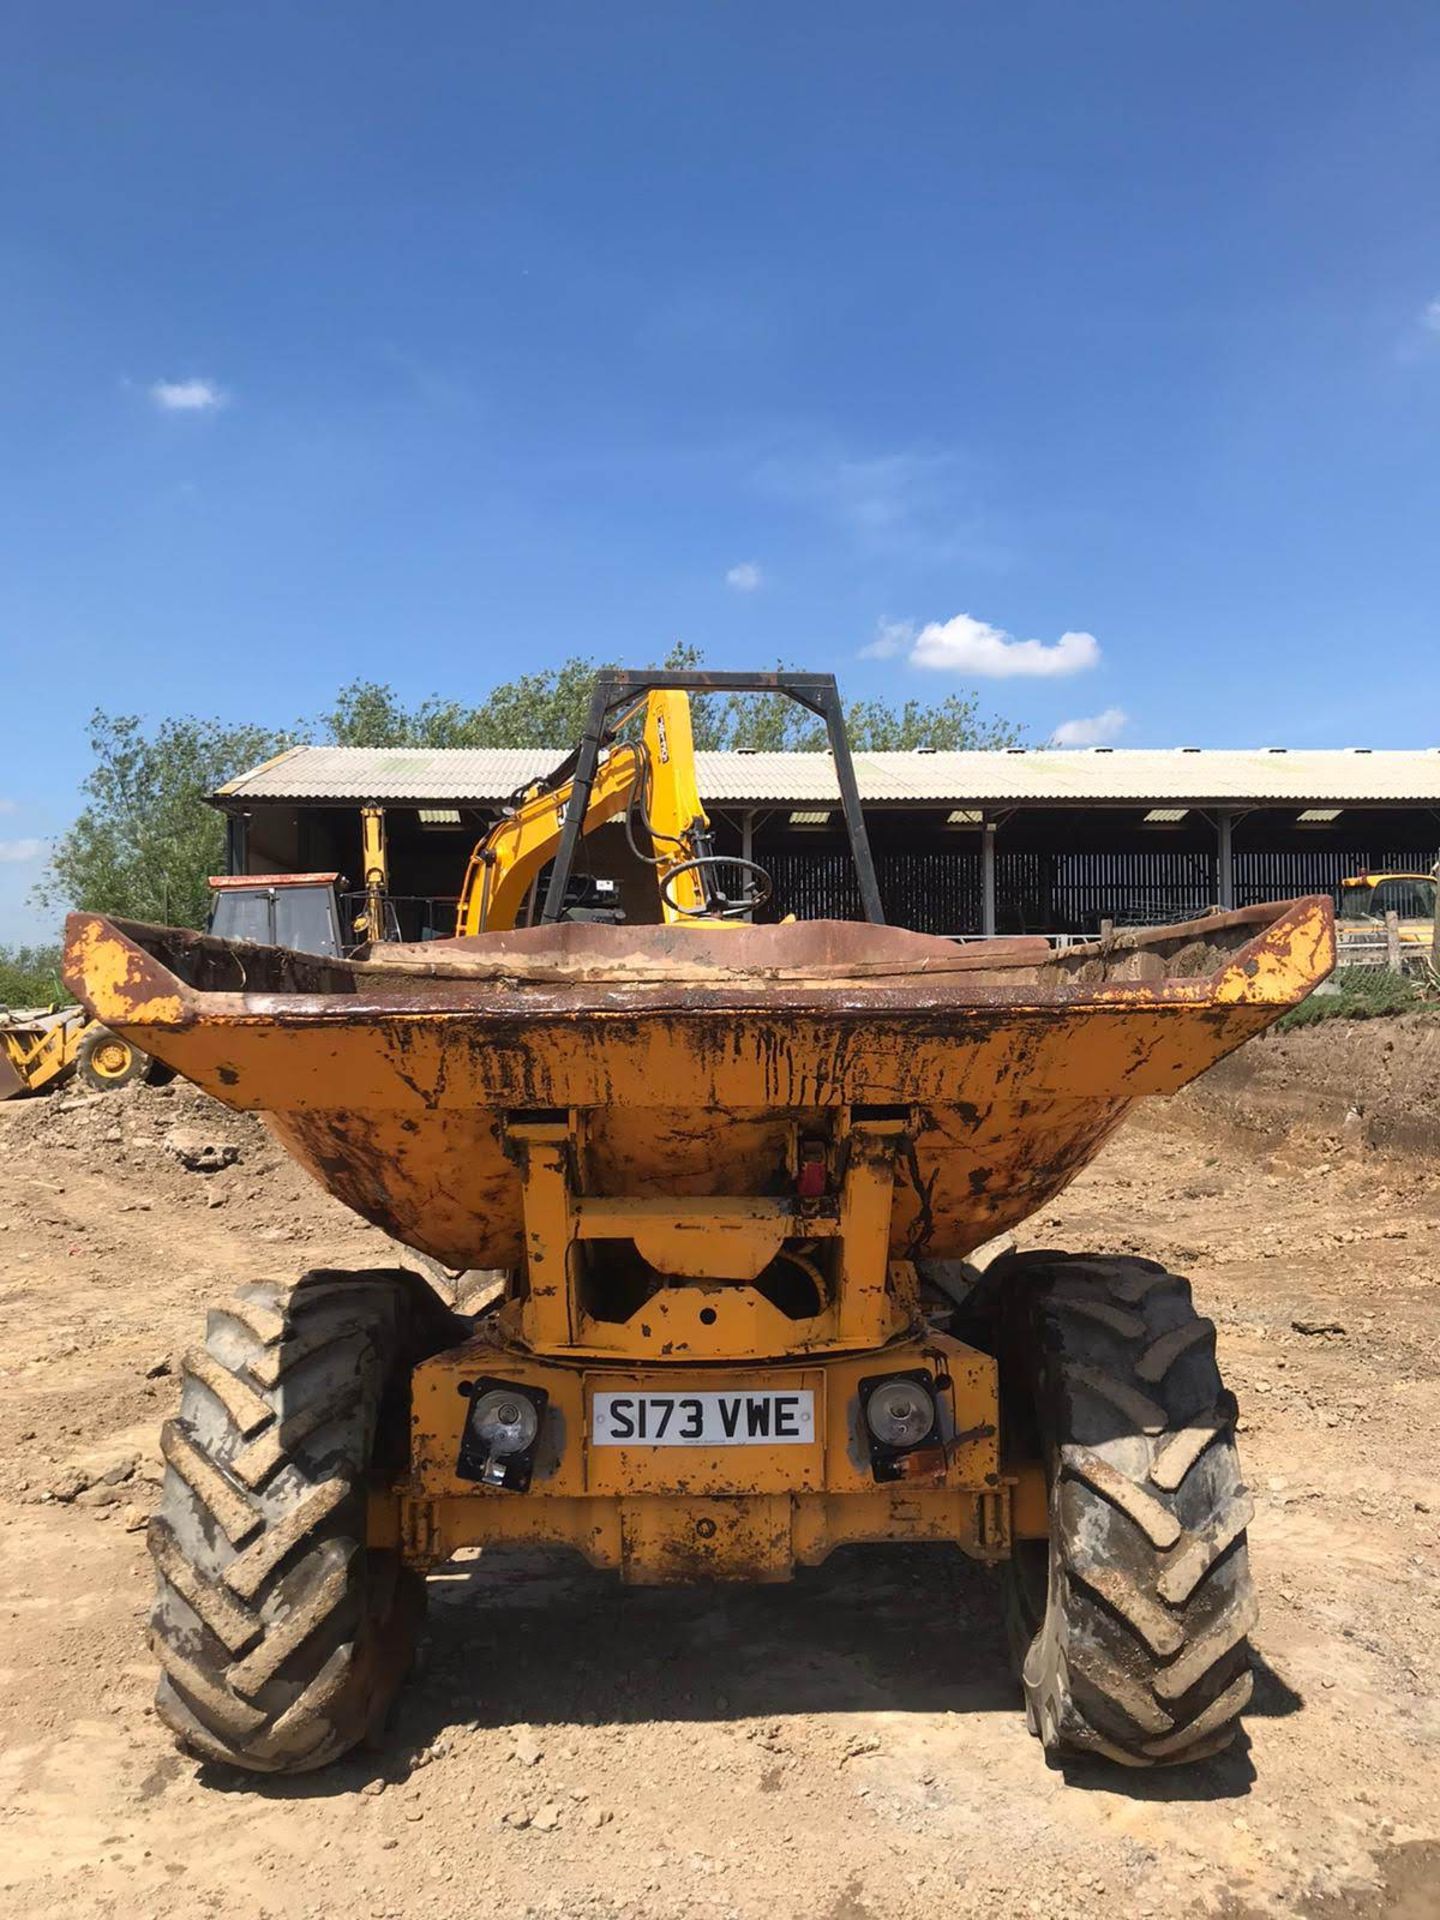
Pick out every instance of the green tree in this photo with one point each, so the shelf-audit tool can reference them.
(947, 726)
(547, 710)
(146, 843)
(768, 725)
(366, 714)
(544, 710)
(30, 976)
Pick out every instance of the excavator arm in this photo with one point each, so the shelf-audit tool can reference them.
(651, 780)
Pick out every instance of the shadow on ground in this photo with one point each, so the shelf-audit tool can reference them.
(540, 1638)
(546, 1639)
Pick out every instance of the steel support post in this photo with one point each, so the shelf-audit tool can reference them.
(1225, 858)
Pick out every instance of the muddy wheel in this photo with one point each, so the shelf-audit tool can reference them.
(104, 1061)
(281, 1636)
(1129, 1626)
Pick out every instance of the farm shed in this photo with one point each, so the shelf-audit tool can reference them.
(1035, 840)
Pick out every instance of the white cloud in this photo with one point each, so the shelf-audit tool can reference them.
(1096, 731)
(966, 645)
(187, 396)
(16, 852)
(891, 637)
(745, 577)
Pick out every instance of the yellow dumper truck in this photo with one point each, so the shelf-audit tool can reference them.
(731, 1172)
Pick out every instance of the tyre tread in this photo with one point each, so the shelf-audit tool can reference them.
(1141, 1652)
(276, 1654)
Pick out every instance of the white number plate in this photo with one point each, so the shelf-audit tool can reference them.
(742, 1419)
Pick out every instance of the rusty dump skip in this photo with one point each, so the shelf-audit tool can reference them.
(690, 1056)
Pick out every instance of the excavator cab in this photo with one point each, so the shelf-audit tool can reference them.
(300, 911)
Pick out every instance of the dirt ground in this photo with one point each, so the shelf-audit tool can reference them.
(848, 1747)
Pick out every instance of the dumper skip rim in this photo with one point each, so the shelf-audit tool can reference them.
(114, 968)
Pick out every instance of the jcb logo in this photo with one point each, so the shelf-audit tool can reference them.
(661, 739)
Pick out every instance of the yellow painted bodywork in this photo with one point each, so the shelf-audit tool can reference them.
(665, 1514)
(719, 1245)
(375, 872)
(705, 1165)
(660, 766)
(696, 1159)
(394, 1087)
(1362, 906)
(37, 1048)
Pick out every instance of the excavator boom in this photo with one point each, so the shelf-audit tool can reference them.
(652, 780)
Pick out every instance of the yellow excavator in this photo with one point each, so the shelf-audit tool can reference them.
(649, 779)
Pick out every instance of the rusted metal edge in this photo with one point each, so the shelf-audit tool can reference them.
(111, 969)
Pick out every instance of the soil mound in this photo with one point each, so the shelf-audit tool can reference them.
(1374, 1083)
(140, 1128)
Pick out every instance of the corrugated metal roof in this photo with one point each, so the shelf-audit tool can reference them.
(1034, 776)
(482, 775)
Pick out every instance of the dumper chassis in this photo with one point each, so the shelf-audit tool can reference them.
(731, 1176)
(289, 1598)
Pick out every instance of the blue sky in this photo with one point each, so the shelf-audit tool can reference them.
(433, 343)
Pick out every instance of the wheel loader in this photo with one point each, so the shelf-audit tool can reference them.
(732, 1173)
(42, 1047)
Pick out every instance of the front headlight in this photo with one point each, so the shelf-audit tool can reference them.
(900, 1413)
(502, 1429)
(505, 1421)
(904, 1426)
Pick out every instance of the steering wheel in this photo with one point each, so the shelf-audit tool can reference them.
(731, 909)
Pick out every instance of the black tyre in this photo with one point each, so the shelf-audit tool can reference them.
(281, 1636)
(1130, 1625)
(104, 1061)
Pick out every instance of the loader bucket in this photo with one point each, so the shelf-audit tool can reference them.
(393, 1079)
